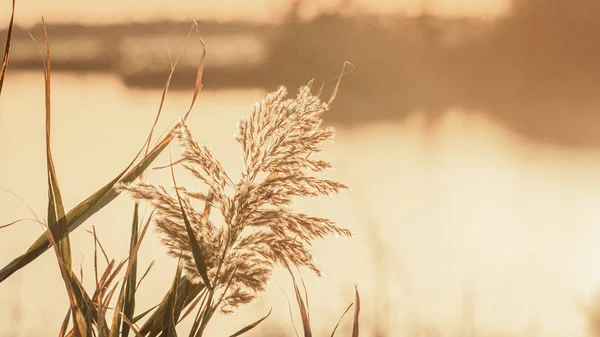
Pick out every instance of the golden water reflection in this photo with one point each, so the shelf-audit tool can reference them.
(463, 206)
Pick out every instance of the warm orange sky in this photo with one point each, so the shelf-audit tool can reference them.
(30, 11)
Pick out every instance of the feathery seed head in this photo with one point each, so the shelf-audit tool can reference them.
(259, 229)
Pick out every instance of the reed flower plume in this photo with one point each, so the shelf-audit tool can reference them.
(258, 229)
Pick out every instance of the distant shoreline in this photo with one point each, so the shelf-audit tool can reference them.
(535, 72)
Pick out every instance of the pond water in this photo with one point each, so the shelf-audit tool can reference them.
(460, 222)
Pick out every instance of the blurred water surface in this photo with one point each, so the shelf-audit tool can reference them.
(439, 213)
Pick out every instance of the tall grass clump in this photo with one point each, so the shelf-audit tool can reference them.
(258, 229)
(224, 261)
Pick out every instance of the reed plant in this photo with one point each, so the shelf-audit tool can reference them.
(223, 263)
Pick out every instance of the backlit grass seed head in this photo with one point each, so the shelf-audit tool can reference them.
(258, 227)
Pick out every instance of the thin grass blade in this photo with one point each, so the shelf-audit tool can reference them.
(65, 324)
(190, 309)
(196, 251)
(355, 328)
(301, 305)
(303, 312)
(197, 320)
(96, 278)
(129, 301)
(86, 303)
(103, 307)
(169, 313)
(132, 262)
(166, 89)
(76, 304)
(158, 323)
(23, 202)
(101, 286)
(250, 326)
(143, 314)
(56, 212)
(199, 73)
(7, 46)
(305, 293)
(188, 292)
(290, 311)
(144, 275)
(132, 326)
(339, 81)
(340, 320)
(12, 223)
(98, 243)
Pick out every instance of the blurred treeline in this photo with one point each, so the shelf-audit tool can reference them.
(536, 69)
